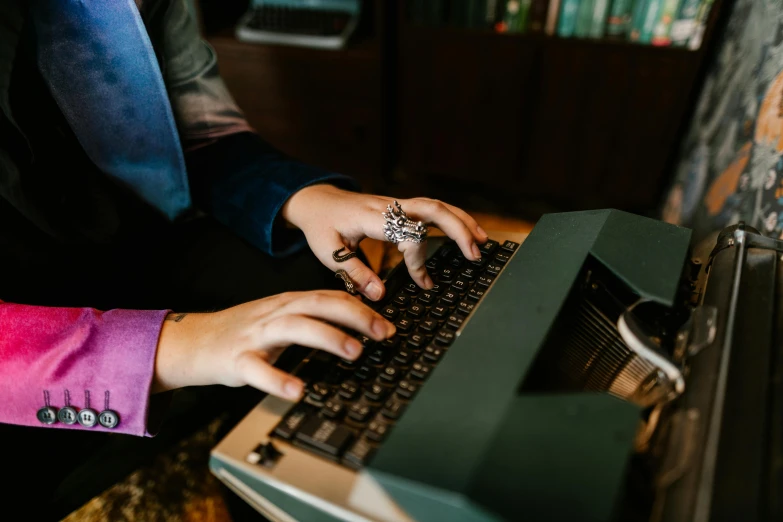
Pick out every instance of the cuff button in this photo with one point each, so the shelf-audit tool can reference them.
(87, 417)
(47, 415)
(108, 419)
(67, 415)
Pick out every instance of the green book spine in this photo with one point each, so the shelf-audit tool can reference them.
(584, 18)
(700, 25)
(637, 19)
(650, 19)
(682, 28)
(661, 36)
(600, 12)
(619, 18)
(567, 23)
(515, 17)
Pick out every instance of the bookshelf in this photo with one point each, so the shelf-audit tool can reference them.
(519, 122)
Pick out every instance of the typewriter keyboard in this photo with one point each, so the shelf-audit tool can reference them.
(350, 407)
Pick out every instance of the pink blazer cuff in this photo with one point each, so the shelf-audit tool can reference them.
(78, 358)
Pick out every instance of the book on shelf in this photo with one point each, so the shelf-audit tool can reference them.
(619, 20)
(663, 23)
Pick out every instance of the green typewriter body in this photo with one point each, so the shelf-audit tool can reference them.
(609, 370)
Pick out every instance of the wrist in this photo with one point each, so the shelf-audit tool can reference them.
(300, 205)
(177, 360)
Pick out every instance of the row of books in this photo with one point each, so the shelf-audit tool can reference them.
(678, 23)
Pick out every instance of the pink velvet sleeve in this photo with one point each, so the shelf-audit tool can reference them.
(70, 354)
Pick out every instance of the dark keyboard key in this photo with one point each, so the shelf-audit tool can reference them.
(291, 423)
(486, 280)
(479, 263)
(348, 390)
(365, 372)
(325, 435)
(432, 264)
(376, 392)
(438, 311)
(428, 325)
(378, 355)
(502, 258)
(466, 307)
(360, 411)
(412, 288)
(390, 312)
(494, 268)
(333, 409)
(319, 391)
(416, 310)
(403, 357)
(426, 297)
(359, 454)
(446, 275)
(488, 247)
(390, 374)
(393, 409)
(418, 339)
(348, 364)
(510, 246)
(420, 370)
(406, 389)
(403, 325)
(436, 289)
(457, 262)
(402, 299)
(460, 286)
(455, 321)
(469, 274)
(433, 353)
(449, 297)
(445, 337)
(377, 429)
(475, 294)
(336, 375)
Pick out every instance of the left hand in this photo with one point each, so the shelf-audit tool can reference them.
(332, 218)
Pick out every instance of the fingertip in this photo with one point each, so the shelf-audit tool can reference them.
(294, 388)
(482, 234)
(476, 252)
(374, 290)
(428, 284)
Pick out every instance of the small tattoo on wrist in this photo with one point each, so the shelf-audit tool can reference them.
(175, 317)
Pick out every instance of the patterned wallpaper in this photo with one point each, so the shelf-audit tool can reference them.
(731, 163)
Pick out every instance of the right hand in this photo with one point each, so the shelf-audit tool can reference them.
(237, 346)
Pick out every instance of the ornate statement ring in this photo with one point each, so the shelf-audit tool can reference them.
(339, 257)
(349, 286)
(399, 227)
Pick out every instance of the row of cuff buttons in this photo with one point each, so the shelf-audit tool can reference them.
(87, 417)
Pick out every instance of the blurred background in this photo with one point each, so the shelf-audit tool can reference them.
(508, 107)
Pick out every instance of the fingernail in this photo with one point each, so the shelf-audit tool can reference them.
(383, 328)
(428, 284)
(294, 389)
(481, 231)
(476, 251)
(374, 291)
(353, 347)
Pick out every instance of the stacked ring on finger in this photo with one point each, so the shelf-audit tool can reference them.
(399, 227)
(350, 287)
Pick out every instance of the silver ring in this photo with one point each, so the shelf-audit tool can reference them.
(349, 286)
(399, 227)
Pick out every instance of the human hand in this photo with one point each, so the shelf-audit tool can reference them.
(237, 346)
(332, 218)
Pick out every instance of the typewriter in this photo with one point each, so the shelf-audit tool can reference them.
(324, 24)
(604, 369)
